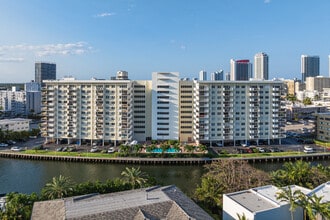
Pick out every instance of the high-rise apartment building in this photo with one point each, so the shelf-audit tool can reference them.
(240, 70)
(166, 108)
(88, 110)
(238, 111)
(261, 66)
(44, 71)
(310, 66)
(165, 105)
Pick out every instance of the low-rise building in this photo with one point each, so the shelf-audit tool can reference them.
(260, 203)
(301, 111)
(15, 124)
(322, 126)
(166, 202)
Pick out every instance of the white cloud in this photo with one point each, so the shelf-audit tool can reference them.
(267, 1)
(183, 47)
(77, 48)
(11, 59)
(105, 14)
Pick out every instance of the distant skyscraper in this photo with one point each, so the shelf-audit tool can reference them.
(240, 70)
(329, 65)
(261, 66)
(202, 75)
(310, 66)
(216, 76)
(44, 71)
(227, 76)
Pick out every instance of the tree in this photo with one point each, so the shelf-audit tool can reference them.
(307, 101)
(225, 176)
(134, 176)
(124, 149)
(59, 187)
(300, 173)
(18, 206)
(313, 206)
(286, 195)
(189, 148)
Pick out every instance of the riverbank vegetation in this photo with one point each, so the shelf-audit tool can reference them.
(19, 206)
(228, 176)
(220, 177)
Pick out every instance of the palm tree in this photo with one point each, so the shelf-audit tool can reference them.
(59, 187)
(241, 217)
(286, 195)
(134, 176)
(315, 207)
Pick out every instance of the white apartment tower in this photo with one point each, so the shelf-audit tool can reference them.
(87, 110)
(261, 66)
(237, 111)
(121, 110)
(165, 105)
(310, 66)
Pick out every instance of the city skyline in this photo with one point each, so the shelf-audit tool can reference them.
(96, 39)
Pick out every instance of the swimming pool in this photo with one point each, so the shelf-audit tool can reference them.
(170, 150)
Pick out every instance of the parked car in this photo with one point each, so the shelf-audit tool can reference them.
(261, 150)
(308, 150)
(3, 145)
(16, 149)
(94, 149)
(275, 149)
(111, 150)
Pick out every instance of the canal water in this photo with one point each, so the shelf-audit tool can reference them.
(27, 176)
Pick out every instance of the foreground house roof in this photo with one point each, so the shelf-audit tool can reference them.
(148, 203)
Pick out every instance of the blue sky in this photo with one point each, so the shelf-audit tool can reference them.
(96, 38)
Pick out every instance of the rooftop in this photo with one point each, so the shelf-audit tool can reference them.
(323, 191)
(147, 203)
(252, 200)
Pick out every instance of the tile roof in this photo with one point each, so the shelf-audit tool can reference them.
(148, 203)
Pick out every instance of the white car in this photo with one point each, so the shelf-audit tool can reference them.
(308, 149)
(94, 149)
(111, 150)
(16, 149)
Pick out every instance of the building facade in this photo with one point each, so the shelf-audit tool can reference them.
(91, 110)
(322, 126)
(261, 69)
(166, 108)
(310, 66)
(44, 71)
(165, 105)
(15, 124)
(186, 108)
(13, 102)
(238, 112)
(142, 110)
(317, 83)
(240, 70)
